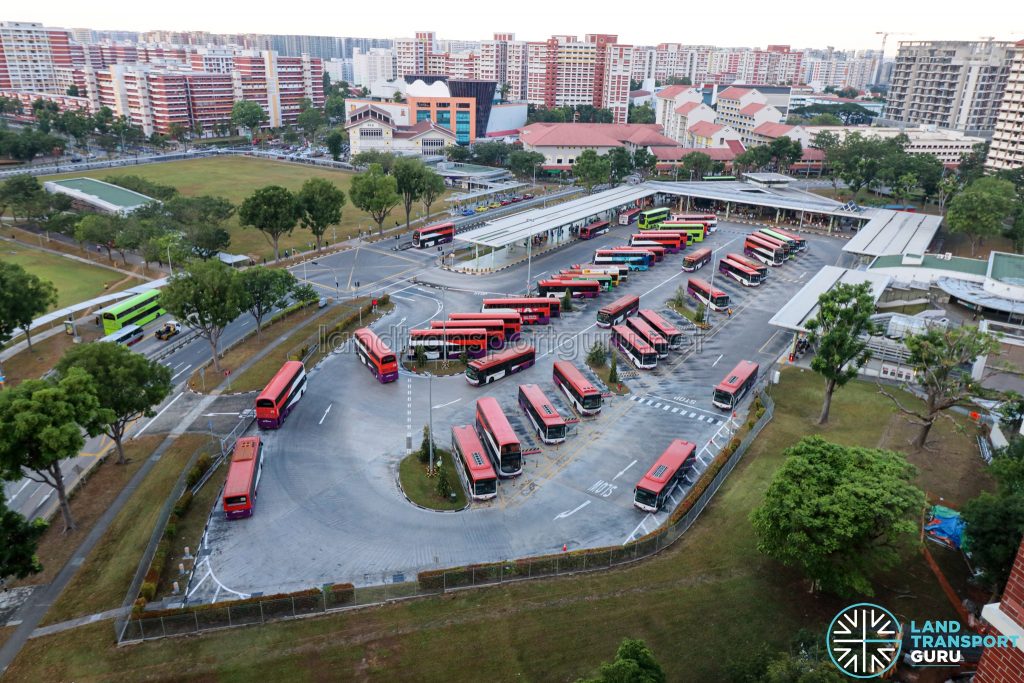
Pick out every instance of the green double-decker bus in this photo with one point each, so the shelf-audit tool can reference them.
(651, 218)
(137, 310)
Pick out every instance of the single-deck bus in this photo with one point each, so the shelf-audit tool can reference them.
(708, 219)
(665, 475)
(788, 245)
(640, 353)
(498, 364)
(671, 242)
(545, 419)
(748, 277)
(651, 217)
(512, 320)
(499, 438)
(375, 354)
(801, 243)
(750, 263)
(618, 271)
(280, 395)
(696, 260)
(494, 327)
(663, 327)
(578, 289)
(432, 235)
(534, 310)
(441, 343)
(629, 216)
(604, 280)
(583, 395)
(244, 470)
(657, 252)
(476, 471)
(736, 384)
(137, 310)
(712, 297)
(127, 335)
(634, 261)
(618, 310)
(764, 250)
(589, 232)
(695, 232)
(649, 335)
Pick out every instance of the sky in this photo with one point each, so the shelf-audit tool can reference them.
(749, 23)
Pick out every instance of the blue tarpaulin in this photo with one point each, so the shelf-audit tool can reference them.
(945, 526)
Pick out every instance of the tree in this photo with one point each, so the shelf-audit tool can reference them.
(383, 159)
(249, 115)
(697, 163)
(420, 356)
(591, 169)
(947, 189)
(444, 486)
(525, 164)
(981, 208)
(503, 90)
(273, 210)
(23, 297)
(375, 193)
(408, 174)
(335, 141)
(823, 119)
(458, 153)
(310, 119)
(857, 160)
(143, 186)
(21, 193)
(334, 107)
(942, 359)
(320, 204)
(101, 229)
(178, 132)
(128, 384)
(838, 513)
(201, 220)
(613, 370)
(494, 153)
(903, 186)
(995, 524)
(424, 452)
(206, 297)
(431, 189)
(42, 424)
(261, 290)
(567, 302)
(598, 355)
(634, 663)
(641, 114)
(620, 164)
(644, 162)
(972, 164)
(784, 152)
(19, 540)
(701, 314)
(844, 315)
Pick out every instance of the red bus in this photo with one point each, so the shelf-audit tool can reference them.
(764, 250)
(649, 335)
(629, 216)
(731, 390)
(494, 327)
(713, 298)
(499, 364)
(671, 242)
(545, 419)
(618, 310)
(696, 260)
(442, 233)
(244, 470)
(512, 320)
(534, 310)
(578, 289)
(789, 244)
(280, 395)
(589, 232)
(748, 277)
(448, 343)
(476, 472)
(708, 219)
(788, 248)
(665, 475)
(583, 395)
(640, 353)
(499, 438)
(659, 252)
(750, 263)
(801, 243)
(375, 354)
(663, 327)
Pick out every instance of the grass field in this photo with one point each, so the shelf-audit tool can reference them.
(422, 490)
(708, 592)
(236, 178)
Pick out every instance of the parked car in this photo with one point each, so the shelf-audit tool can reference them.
(495, 205)
(481, 209)
(506, 202)
(528, 195)
(468, 212)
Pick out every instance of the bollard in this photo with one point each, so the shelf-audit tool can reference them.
(175, 589)
(181, 568)
(187, 555)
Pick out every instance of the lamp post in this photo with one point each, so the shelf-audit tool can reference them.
(430, 422)
(169, 266)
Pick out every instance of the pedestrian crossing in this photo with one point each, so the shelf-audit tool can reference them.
(676, 410)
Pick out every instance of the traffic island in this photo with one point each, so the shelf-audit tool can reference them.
(425, 489)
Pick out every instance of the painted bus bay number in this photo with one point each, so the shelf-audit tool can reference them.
(683, 399)
(602, 488)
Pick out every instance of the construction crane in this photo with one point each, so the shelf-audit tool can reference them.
(881, 59)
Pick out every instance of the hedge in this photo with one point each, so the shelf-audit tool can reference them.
(307, 595)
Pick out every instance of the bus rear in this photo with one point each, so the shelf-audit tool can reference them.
(475, 469)
(712, 297)
(498, 437)
(243, 478)
(583, 395)
(542, 414)
(499, 364)
(279, 397)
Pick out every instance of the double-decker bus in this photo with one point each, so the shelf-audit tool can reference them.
(634, 261)
(640, 353)
(801, 243)
(279, 397)
(375, 354)
(604, 280)
(731, 390)
(657, 252)
(672, 242)
(748, 277)
(788, 249)
(578, 289)
(652, 217)
(618, 310)
(667, 472)
(545, 419)
(649, 335)
(695, 232)
(494, 327)
(244, 470)
(432, 235)
(137, 310)
(589, 232)
(713, 298)
(476, 471)
(583, 395)
(708, 219)
(498, 437)
(629, 216)
(512, 320)
(663, 327)
(441, 343)
(534, 310)
(763, 249)
(788, 245)
(127, 335)
(498, 364)
(750, 263)
(696, 260)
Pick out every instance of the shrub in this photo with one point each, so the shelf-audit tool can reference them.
(203, 462)
(148, 591)
(138, 606)
(183, 503)
(194, 475)
(172, 527)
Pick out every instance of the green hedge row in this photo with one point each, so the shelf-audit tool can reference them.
(307, 601)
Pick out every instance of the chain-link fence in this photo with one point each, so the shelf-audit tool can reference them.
(397, 586)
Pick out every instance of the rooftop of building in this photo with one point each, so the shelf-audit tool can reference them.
(773, 130)
(1005, 267)
(679, 153)
(894, 232)
(956, 264)
(671, 91)
(921, 134)
(591, 134)
(733, 93)
(752, 108)
(105, 196)
(705, 128)
(803, 306)
(687, 107)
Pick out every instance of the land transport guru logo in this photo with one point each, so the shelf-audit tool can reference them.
(864, 640)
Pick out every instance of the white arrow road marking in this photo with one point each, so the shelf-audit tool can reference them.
(325, 414)
(623, 470)
(560, 515)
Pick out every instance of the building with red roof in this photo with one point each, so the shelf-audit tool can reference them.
(562, 143)
(671, 158)
(744, 109)
(705, 134)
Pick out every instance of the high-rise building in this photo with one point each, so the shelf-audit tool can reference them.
(1007, 148)
(411, 53)
(372, 66)
(29, 53)
(950, 84)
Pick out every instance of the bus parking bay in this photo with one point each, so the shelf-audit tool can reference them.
(329, 508)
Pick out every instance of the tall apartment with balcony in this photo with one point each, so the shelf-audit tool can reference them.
(29, 53)
(949, 84)
(1007, 149)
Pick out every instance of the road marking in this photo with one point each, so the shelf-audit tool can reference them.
(155, 417)
(675, 410)
(403, 298)
(217, 414)
(178, 365)
(447, 404)
(638, 528)
(27, 481)
(185, 369)
(576, 509)
(666, 407)
(623, 471)
(325, 415)
(717, 359)
(602, 488)
(692, 415)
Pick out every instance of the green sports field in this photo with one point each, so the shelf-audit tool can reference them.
(75, 281)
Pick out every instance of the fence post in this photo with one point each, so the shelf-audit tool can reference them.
(260, 603)
(556, 565)
(585, 561)
(324, 595)
(293, 605)
(196, 616)
(142, 630)
(609, 557)
(501, 572)
(229, 615)
(472, 576)
(163, 627)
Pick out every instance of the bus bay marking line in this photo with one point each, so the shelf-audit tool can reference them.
(675, 410)
(447, 404)
(221, 585)
(638, 528)
(717, 359)
(139, 433)
(546, 353)
(576, 509)
(325, 414)
(683, 403)
(769, 341)
(184, 369)
(623, 470)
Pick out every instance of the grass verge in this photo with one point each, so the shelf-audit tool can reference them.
(436, 367)
(44, 355)
(603, 371)
(422, 489)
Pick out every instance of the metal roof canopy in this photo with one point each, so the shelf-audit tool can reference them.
(776, 197)
(485, 192)
(894, 232)
(976, 294)
(63, 313)
(804, 304)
